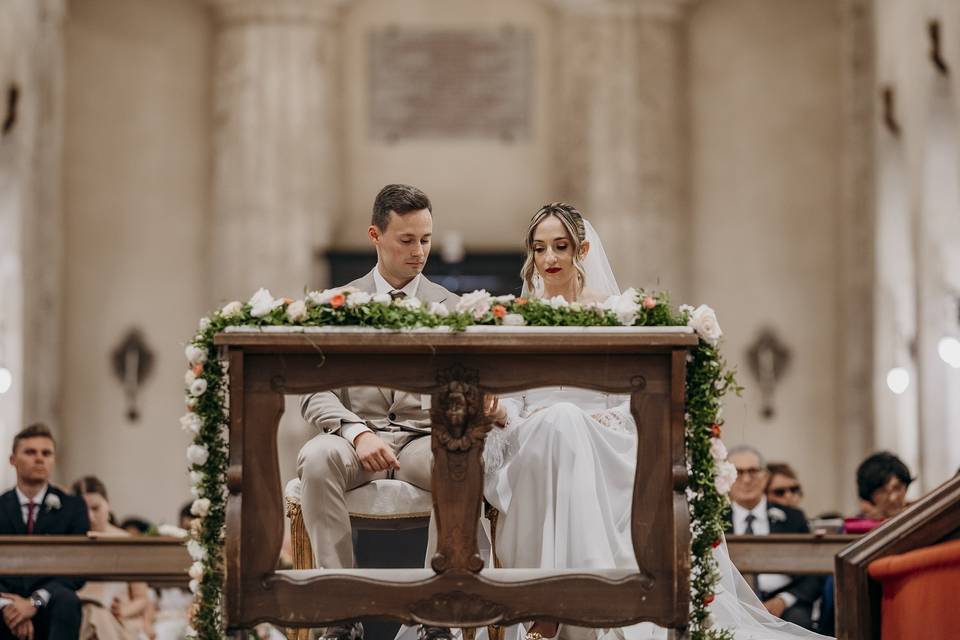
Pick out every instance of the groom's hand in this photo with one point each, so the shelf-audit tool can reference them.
(374, 453)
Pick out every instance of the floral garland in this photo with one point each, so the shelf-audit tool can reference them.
(708, 379)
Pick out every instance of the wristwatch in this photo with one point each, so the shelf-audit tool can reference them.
(36, 600)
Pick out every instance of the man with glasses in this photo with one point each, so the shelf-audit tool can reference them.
(789, 597)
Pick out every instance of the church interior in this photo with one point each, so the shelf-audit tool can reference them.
(793, 164)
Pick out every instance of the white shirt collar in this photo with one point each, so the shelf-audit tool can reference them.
(384, 287)
(740, 514)
(24, 500)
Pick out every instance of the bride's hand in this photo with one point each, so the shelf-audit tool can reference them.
(491, 407)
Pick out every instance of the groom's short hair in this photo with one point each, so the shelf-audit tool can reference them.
(399, 198)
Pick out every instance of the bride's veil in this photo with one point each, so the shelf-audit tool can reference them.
(599, 274)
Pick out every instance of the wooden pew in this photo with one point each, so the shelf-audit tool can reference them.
(790, 553)
(157, 560)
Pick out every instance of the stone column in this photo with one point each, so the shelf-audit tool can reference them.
(31, 142)
(620, 143)
(276, 181)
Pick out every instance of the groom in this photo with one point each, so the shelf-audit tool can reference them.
(369, 433)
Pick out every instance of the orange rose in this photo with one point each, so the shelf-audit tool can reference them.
(709, 599)
(521, 301)
(715, 430)
(197, 369)
(338, 301)
(649, 303)
(288, 300)
(499, 310)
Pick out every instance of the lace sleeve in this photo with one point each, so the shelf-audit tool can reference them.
(497, 445)
(617, 418)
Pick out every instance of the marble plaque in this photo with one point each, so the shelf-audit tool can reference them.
(450, 83)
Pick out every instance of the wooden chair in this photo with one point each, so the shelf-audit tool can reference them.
(382, 504)
(386, 504)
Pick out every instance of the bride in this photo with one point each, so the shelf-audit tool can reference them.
(560, 470)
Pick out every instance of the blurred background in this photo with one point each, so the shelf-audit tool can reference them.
(792, 163)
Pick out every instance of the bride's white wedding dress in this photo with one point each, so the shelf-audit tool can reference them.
(561, 474)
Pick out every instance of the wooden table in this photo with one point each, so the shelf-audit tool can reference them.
(456, 368)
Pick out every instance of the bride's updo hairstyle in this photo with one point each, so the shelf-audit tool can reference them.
(572, 221)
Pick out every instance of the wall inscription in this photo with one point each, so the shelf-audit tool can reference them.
(450, 83)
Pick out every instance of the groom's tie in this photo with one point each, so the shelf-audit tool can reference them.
(750, 519)
(396, 294)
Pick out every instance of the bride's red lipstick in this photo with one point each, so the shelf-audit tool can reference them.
(554, 270)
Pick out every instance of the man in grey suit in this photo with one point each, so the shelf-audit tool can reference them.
(366, 432)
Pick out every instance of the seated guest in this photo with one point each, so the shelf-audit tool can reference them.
(112, 610)
(39, 607)
(882, 483)
(789, 597)
(783, 488)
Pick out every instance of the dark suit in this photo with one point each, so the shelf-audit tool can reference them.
(60, 618)
(806, 589)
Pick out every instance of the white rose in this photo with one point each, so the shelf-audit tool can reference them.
(686, 308)
(196, 477)
(194, 587)
(476, 302)
(196, 550)
(204, 324)
(411, 303)
(505, 299)
(726, 476)
(439, 309)
(557, 302)
(172, 530)
(52, 501)
(198, 387)
(297, 311)
(262, 303)
(196, 570)
(383, 298)
(358, 298)
(195, 355)
(189, 377)
(717, 449)
(514, 320)
(190, 422)
(200, 507)
(703, 320)
(231, 309)
(197, 454)
(624, 306)
(322, 297)
(195, 492)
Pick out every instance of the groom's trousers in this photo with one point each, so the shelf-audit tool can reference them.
(328, 467)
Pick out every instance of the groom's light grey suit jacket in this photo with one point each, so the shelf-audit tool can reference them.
(380, 409)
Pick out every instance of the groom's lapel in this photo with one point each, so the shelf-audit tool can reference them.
(429, 292)
(366, 283)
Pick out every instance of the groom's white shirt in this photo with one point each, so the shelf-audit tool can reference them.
(410, 289)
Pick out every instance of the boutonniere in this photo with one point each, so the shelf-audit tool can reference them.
(776, 515)
(51, 502)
